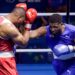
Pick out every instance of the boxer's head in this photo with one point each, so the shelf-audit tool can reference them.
(18, 15)
(55, 22)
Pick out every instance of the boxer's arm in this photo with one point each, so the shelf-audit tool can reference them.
(44, 22)
(13, 33)
(38, 32)
(30, 17)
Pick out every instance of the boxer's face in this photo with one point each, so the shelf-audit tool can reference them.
(55, 28)
(21, 20)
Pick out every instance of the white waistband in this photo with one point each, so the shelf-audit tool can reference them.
(6, 54)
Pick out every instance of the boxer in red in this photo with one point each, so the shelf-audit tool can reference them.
(10, 35)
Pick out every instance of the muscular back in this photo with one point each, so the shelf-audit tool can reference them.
(6, 44)
(7, 29)
(4, 27)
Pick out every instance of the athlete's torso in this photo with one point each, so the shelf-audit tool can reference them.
(66, 37)
(6, 44)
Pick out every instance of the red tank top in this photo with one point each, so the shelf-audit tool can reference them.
(5, 44)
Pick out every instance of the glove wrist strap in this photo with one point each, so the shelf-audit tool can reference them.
(27, 26)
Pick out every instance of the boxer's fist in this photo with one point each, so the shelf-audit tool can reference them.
(62, 49)
(23, 5)
(31, 15)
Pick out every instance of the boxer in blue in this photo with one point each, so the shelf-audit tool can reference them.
(60, 38)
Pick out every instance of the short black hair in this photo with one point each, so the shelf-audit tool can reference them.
(55, 18)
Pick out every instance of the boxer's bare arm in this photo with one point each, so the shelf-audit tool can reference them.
(38, 32)
(12, 32)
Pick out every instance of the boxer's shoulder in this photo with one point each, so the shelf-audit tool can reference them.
(7, 27)
(4, 22)
(70, 27)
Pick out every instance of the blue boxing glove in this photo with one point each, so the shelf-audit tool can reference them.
(62, 49)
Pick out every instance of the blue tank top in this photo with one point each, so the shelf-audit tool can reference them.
(66, 37)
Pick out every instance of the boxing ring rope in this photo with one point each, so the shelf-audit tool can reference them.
(40, 14)
(47, 14)
(33, 50)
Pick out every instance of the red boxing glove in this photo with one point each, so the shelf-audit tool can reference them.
(31, 15)
(23, 5)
